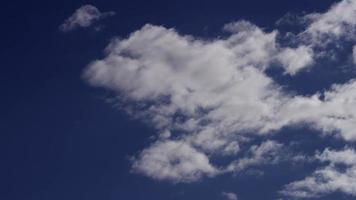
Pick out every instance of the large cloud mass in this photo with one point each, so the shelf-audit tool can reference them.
(209, 97)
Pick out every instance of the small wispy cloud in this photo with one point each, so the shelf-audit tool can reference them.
(83, 17)
(229, 195)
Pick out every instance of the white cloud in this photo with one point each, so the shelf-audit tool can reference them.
(207, 97)
(346, 156)
(229, 195)
(339, 21)
(331, 111)
(251, 44)
(266, 153)
(195, 76)
(175, 161)
(214, 90)
(84, 16)
(296, 59)
(328, 179)
(209, 90)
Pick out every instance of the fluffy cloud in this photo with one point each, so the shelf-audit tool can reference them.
(175, 161)
(296, 59)
(214, 90)
(229, 195)
(338, 175)
(206, 98)
(250, 43)
(210, 91)
(331, 111)
(189, 81)
(84, 16)
(339, 21)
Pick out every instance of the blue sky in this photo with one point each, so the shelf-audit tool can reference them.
(231, 100)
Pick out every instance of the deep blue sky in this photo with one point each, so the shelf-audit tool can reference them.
(59, 140)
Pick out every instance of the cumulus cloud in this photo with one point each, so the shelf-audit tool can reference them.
(338, 175)
(173, 160)
(84, 16)
(209, 90)
(214, 90)
(296, 59)
(200, 80)
(229, 195)
(258, 48)
(206, 98)
(330, 112)
(339, 21)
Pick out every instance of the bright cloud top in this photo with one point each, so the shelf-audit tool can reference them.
(208, 98)
(83, 17)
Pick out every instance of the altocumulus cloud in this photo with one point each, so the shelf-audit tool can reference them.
(83, 17)
(207, 98)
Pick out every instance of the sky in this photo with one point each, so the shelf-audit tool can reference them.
(181, 100)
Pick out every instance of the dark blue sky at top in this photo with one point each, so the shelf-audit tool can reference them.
(59, 140)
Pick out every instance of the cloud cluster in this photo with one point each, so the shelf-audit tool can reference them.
(84, 16)
(339, 175)
(206, 98)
